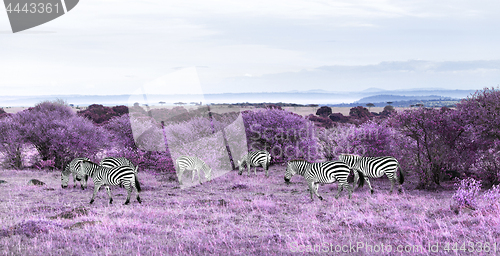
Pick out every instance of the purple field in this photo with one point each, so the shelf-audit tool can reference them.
(237, 215)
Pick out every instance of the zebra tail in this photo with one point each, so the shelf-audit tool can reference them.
(401, 176)
(137, 184)
(268, 161)
(361, 180)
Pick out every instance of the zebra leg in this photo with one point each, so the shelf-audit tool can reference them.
(96, 188)
(137, 191)
(369, 185)
(128, 187)
(356, 178)
(316, 191)
(311, 188)
(255, 170)
(393, 180)
(179, 175)
(109, 194)
(349, 189)
(74, 180)
(340, 188)
(199, 178)
(83, 182)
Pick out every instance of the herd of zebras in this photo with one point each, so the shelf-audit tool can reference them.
(120, 171)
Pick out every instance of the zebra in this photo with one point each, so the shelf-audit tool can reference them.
(326, 172)
(74, 169)
(375, 167)
(255, 158)
(192, 163)
(103, 176)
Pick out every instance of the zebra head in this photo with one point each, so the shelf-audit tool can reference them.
(290, 171)
(65, 176)
(208, 174)
(64, 179)
(240, 166)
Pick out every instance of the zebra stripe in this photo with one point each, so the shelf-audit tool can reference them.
(255, 158)
(119, 175)
(110, 162)
(375, 167)
(316, 173)
(74, 169)
(192, 163)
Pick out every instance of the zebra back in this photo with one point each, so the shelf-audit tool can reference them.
(191, 162)
(110, 162)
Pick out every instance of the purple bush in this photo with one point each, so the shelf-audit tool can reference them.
(284, 134)
(324, 111)
(321, 121)
(59, 134)
(467, 193)
(101, 114)
(147, 151)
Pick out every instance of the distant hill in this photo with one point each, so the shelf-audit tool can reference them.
(394, 98)
(322, 97)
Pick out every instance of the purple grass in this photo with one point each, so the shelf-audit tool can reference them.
(232, 215)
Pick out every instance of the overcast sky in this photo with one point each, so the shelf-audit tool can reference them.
(106, 47)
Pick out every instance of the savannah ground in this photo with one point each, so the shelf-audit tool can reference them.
(235, 215)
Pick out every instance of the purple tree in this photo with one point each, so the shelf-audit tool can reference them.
(11, 142)
(481, 114)
(284, 134)
(442, 142)
(59, 134)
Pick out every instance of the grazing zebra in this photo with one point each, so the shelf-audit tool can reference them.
(192, 163)
(326, 172)
(255, 158)
(102, 176)
(74, 169)
(375, 167)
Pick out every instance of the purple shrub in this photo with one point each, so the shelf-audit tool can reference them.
(339, 117)
(467, 193)
(46, 164)
(324, 111)
(321, 121)
(284, 134)
(359, 115)
(101, 114)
